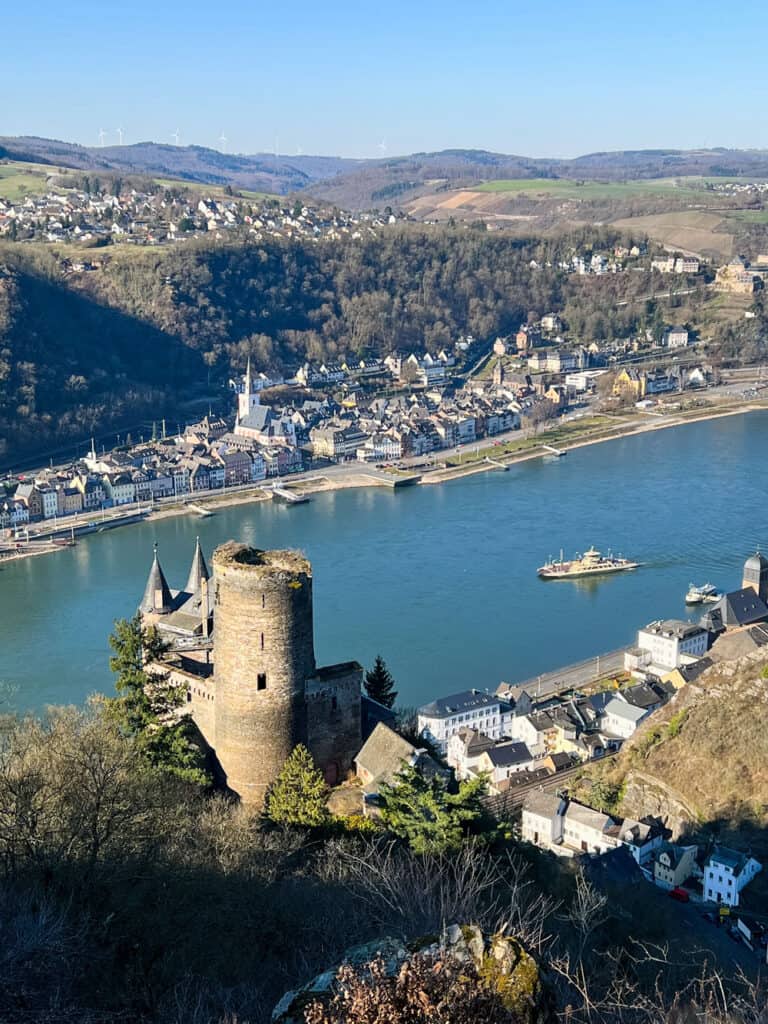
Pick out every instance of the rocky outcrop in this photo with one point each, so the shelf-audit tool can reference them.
(502, 966)
(647, 795)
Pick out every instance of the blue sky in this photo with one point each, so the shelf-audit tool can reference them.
(552, 78)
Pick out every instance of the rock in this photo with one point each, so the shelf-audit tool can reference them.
(501, 961)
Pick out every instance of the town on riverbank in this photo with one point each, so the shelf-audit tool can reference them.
(406, 419)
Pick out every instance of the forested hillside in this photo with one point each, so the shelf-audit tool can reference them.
(81, 352)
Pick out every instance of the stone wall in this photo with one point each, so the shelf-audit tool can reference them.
(263, 654)
(333, 718)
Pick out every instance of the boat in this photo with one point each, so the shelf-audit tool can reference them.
(699, 595)
(591, 563)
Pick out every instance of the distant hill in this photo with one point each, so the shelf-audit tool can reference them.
(263, 172)
(388, 181)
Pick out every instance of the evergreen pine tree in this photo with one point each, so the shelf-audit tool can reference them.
(379, 684)
(298, 794)
(145, 708)
(422, 811)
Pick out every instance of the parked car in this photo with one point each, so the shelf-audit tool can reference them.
(679, 894)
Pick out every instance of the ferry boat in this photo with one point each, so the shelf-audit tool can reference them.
(591, 563)
(698, 595)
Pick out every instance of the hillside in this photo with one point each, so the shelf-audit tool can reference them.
(360, 183)
(263, 172)
(701, 761)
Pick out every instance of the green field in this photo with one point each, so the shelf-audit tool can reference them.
(18, 180)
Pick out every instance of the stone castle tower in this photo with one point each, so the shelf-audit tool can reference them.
(756, 575)
(253, 688)
(263, 655)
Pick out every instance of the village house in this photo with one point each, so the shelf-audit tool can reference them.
(664, 645)
(568, 828)
(476, 709)
(726, 873)
(673, 865)
(675, 337)
(384, 754)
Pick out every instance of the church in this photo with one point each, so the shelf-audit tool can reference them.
(241, 641)
(746, 606)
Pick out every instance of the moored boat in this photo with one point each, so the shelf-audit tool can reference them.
(591, 563)
(699, 595)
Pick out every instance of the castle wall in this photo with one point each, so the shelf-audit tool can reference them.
(333, 713)
(263, 654)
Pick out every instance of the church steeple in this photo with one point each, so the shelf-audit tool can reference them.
(157, 594)
(247, 398)
(198, 571)
(248, 377)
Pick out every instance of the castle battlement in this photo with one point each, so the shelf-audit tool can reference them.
(242, 642)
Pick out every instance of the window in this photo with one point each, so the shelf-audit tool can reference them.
(261, 681)
(263, 600)
(262, 641)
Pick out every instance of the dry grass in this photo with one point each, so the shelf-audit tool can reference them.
(715, 755)
(690, 230)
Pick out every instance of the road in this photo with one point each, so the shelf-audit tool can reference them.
(573, 676)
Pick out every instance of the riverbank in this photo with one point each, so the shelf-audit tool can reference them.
(488, 458)
(495, 461)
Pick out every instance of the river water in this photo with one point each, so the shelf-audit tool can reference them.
(440, 580)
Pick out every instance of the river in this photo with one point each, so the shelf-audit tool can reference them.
(440, 580)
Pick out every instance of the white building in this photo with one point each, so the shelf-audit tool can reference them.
(583, 380)
(568, 828)
(676, 337)
(622, 719)
(50, 501)
(665, 645)
(726, 872)
(474, 709)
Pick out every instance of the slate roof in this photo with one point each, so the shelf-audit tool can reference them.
(382, 756)
(156, 584)
(505, 754)
(456, 703)
(198, 570)
(546, 805)
(641, 696)
(738, 608)
(732, 859)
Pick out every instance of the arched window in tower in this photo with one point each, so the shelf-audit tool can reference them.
(263, 600)
(262, 641)
(261, 681)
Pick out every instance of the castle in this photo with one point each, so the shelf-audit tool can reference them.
(241, 641)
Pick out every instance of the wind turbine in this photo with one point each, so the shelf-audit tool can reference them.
(119, 136)
(382, 146)
(102, 134)
(223, 141)
(176, 136)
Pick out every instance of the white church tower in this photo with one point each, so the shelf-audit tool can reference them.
(247, 399)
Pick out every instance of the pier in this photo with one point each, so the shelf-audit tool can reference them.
(559, 452)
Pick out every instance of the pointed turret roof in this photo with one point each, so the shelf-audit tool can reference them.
(198, 571)
(157, 594)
